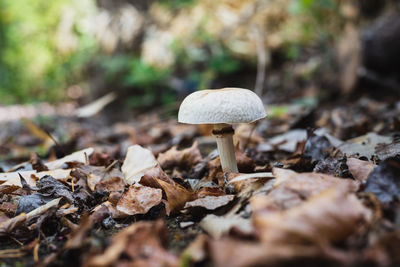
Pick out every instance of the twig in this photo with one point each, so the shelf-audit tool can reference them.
(261, 61)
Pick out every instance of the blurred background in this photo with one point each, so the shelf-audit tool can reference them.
(153, 53)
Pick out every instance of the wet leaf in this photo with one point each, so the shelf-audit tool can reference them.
(317, 147)
(384, 181)
(31, 202)
(49, 186)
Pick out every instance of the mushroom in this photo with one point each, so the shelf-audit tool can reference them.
(222, 108)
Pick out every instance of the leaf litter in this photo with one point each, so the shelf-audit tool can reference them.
(156, 196)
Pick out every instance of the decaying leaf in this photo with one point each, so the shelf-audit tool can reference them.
(49, 186)
(139, 200)
(10, 181)
(137, 161)
(384, 181)
(185, 158)
(364, 146)
(8, 226)
(210, 202)
(360, 169)
(142, 244)
(327, 217)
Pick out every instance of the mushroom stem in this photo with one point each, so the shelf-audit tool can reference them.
(226, 150)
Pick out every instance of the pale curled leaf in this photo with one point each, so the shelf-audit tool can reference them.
(80, 156)
(137, 161)
(218, 226)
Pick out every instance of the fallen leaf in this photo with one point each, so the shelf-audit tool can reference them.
(176, 194)
(95, 175)
(196, 251)
(360, 169)
(139, 200)
(210, 202)
(317, 147)
(9, 225)
(327, 217)
(142, 243)
(81, 156)
(236, 253)
(138, 160)
(111, 184)
(10, 181)
(384, 181)
(150, 177)
(185, 158)
(30, 202)
(244, 163)
(364, 146)
(311, 183)
(51, 187)
(218, 226)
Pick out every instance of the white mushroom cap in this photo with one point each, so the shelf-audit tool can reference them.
(227, 105)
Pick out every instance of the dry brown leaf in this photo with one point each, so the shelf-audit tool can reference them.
(210, 202)
(96, 175)
(150, 176)
(311, 183)
(111, 184)
(143, 244)
(185, 158)
(176, 194)
(327, 217)
(139, 200)
(210, 191)
(360, 169)
(235, 253)
(244, 163)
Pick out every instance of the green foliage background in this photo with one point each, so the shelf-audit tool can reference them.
(32, 69)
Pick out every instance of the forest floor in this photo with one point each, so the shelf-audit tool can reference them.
(324, 190)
